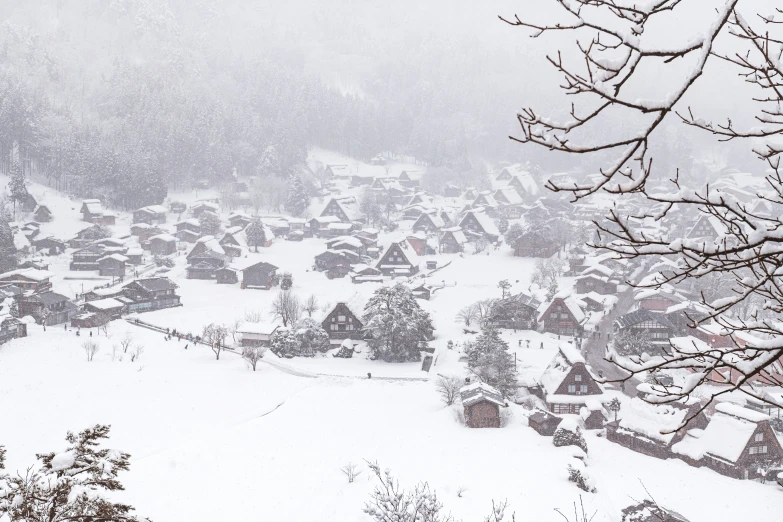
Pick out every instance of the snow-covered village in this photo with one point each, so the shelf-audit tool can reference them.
(345, 261)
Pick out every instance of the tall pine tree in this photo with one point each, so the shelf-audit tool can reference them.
(256, 234)
(396, 326)
(490, 361)
(8, 256)
(297, 201)
(17, 186)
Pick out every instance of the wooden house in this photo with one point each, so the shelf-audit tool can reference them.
(477, 223)
(707, 228)
(409, 179)
(234, 241)
(112, 265)
(737, 442)
(11, 328)
(42, 214)
(644, 322)
(423, 291)
(163, 245)
(568, 385)
(525, 186)
(544, 422)
(205, 264)
(418, 242)
(30, 279)
(47, 308)
(398, 260)
(336, 263)
(49, 245)
(259, 275)
(344, 320)
(594, 282)
(227, 275)
(239, 219)
(152, 215)
(362, 273)
(189, 228)
(351, 243)
(534, 244)
(481, 404)
(507, 196)
(658, 299)
(518, 312)
(86, 258)
(563, 317)
(256, 334)
(342, 210)
(319, 226)
(204, 206)
(91, 210)
(28, 203)
(154, 293)
(652, 429)
(453, 241)
(428, 222)
(144, 231)
(178, 207)
(135, 256)
(109, 306)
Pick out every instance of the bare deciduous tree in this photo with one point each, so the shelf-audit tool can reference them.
(468, 315)
(604, 84)
(311, 305)
(90, 348)
(253, 354)
(215, 334)
(254, 316)
(448, 387)
(287, 307)
(351, 471)
(126, 341)
(136, 352)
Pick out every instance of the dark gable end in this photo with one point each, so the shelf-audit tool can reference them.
(770, 441)
(334, 209)
(579, 376)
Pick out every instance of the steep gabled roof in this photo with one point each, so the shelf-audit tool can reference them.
(480, 392)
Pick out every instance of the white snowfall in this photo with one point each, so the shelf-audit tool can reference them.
(212, 440)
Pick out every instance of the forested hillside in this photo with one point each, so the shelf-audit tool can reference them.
(120, 99)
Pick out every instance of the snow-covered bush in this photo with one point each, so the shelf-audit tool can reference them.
(253, 354)
(284, 343)
(577, 473)
(311, 336)
(569, 434)
(69, 485)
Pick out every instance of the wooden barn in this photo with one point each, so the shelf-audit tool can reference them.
(453, 241)
(398, 260)
(259, 275)
(481, 403)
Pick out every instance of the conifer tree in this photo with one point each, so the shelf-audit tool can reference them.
(490, 361)
(69, 485)
(8, 255)
(17, 186)
(297, 201)
(256, 234)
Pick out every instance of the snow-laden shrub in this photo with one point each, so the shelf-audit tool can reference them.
(577, 473)
(568, 433)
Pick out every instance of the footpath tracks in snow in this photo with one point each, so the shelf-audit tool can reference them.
(298, 372)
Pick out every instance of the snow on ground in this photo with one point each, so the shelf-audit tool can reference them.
(226, 443)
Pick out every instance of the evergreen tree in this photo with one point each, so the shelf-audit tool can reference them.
(490, 361)
(514, 233)
(311, 336)
(69, 485)
(256, 234)
(502, 224)
(8, 255)
(284, 342)
(286, 281)
(17, 186)
(567, 435)
(210, 223)
(551, 292)
(297, 201)
(395, 325)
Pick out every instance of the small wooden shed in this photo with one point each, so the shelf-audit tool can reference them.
(544, 423)
(482, 405)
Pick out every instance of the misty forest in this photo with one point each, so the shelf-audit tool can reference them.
(412, 262)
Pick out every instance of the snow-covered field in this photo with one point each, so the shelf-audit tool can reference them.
(226, 443)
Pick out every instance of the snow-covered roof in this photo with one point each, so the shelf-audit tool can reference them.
(725, 437)
(20, 241)
(651, 419)
(510, 194)
(480, 392)
(164, 237)
(30, 273)
(486, 223)
(261, 328)
(116, 257)
(106, 304)
(93, 206)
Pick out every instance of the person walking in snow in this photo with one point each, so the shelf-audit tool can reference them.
(186, 346)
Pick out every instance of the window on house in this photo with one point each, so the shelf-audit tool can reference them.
(572, 388)
(563, 316)
(578, 378)
(341, 318)
(758, 437)
(582, 388)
